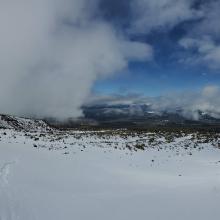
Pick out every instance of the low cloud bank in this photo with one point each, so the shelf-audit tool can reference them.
(189, 105)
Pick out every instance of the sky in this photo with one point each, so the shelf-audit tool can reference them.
(174, 67)
(152, 80)
(57, 54)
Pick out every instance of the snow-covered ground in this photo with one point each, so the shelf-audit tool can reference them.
(104, 176)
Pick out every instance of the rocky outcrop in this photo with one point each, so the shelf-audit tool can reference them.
(18, 123)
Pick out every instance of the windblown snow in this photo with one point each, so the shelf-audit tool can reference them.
(110, 174)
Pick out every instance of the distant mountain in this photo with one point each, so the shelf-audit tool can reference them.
(114, 116)
(142, 114)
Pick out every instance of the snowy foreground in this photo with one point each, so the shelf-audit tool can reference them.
(106, 175)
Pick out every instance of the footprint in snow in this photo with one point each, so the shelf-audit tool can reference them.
(4, 172)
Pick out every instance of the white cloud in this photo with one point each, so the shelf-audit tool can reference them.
(161, 14)
(207, 101)
(204, 37)
(209, 25)
(52, 51)
(207, 51)
(187, 104)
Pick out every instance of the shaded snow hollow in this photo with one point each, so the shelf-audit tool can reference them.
(108, 175)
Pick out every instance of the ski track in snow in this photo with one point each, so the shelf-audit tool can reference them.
(7, 200)
(5, 171)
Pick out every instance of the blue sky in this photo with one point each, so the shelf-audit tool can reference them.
(156, 80)
(170, 69)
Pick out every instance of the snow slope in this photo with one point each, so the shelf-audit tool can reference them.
(24, 124)
(85, 176)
